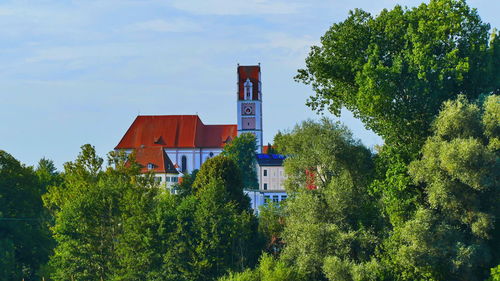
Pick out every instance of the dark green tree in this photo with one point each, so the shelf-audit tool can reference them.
(24, 238)
(271, 226)
(223, 171)
(242, 151)
(394, 70)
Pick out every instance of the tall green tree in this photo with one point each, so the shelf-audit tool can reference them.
(455, 235)
(242, 151)
(227, 228)
(24, 238)
(394, 70)
(338, 221)
(223, 171)
(102, 223)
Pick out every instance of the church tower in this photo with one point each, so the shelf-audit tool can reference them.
(250, 102)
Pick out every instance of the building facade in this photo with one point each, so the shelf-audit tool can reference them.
(271, 176)
(173, 145)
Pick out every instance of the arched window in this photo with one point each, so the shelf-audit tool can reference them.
(248, 89)
(183, 163)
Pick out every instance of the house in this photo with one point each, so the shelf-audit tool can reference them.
(271, 177)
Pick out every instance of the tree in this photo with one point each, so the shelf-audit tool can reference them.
(185, 187)
(242, 151)
(269, 269)
(24, 239)
(338, 220)
(455, 234)
(271, 226)
(102, 224)
(394, 71)
(223, 171)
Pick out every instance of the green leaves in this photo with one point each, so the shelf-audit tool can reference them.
(393, 71)
(24, 240)
(242, 151)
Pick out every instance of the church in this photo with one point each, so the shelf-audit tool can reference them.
(173, 145)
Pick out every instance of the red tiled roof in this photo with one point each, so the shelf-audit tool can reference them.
(157, 157)
(265, 149)
(253, 73)
(175, 131)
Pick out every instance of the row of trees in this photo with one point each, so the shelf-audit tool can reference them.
(348, 229)
(425, 206)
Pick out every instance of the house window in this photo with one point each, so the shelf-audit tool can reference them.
(265, 186)
(150, 166)
(265, 173)
(275, 199)
(267, 198)
(183, 163)
(167, 179)
(175, 179)
(157, 179)
(283, 197)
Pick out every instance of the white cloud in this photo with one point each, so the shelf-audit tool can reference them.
(161, 25)
(237, 7)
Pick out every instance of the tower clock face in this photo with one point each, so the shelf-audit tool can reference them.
(248, 109)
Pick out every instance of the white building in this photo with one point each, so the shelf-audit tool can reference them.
(173, 145)
(271, 177)
(166, 142)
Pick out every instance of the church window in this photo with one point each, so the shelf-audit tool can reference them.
(248, 89)
(183, 163)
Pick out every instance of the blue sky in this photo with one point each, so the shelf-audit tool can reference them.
(76, 72)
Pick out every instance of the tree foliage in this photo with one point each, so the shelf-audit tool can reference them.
(394, 70)
(455, 234)
(25, 242)
(339, 219)
(242, 151)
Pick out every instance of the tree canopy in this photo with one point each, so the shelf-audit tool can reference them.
(394, 70)
(242, 151)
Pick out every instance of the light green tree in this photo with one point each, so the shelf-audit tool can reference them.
(340, 219)
(454, 236)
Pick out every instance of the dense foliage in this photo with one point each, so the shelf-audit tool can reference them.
(394, 70)
(115, 224)
(25, 243)
(424, 206)
(242, 151)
